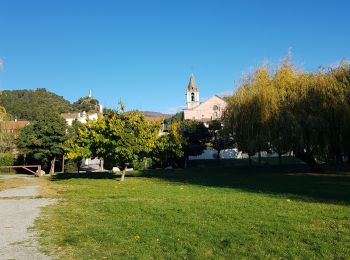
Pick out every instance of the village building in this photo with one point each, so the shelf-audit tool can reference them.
(205, 111)
(13, 127)
(82, 117)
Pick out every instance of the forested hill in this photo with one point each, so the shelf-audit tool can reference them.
(31, 104)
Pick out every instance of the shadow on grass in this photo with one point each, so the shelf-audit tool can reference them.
(85, 175)
(293, 180)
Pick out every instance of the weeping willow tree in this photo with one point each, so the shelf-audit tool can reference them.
(288, 110)
(250, 112)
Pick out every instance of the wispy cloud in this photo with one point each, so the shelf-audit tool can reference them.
(1, 65)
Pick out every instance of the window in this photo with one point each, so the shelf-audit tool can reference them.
(216, 108)
(192, 97)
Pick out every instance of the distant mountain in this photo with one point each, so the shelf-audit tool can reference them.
(32, 104)
(155, 114)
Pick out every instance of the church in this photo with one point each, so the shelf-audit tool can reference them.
(205, 111)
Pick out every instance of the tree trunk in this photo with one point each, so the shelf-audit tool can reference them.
(123, 175)
(309, 160)
(186, 160)
(218, 159)
(250, 160)
(280, 158)
(52, 168)
(101, 165)
(78, 165)
(219, 154)
(259, 157)
(63, 161)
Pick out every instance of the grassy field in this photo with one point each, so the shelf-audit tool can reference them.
(209, 213)
(12, 183)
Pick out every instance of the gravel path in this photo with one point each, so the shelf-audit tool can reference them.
(17, 215)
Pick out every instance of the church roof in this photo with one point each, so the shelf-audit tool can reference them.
(220, 99)
(192, 84)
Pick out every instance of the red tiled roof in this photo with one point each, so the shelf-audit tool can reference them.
(14, 126)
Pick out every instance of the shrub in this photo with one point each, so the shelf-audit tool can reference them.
(70, 166)
(7, 159)
(145, 164)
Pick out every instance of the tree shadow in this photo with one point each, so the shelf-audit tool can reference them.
(84, 175)
(290, 180)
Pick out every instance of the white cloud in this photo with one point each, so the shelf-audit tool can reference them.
(1, 64)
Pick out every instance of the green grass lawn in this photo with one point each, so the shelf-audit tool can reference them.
(207, 213)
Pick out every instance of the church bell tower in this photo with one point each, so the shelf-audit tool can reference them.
(192, 94)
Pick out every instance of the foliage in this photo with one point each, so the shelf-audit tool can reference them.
(178, 117)
(168, 147)
(33, 104)
(7, 140)
(221, 137)
(290, 110)
(43, 140)
(194, 137)
(121, 137)
(71, 166)
(3, 114)
(77, 145)
(7, 159)
(86, 104)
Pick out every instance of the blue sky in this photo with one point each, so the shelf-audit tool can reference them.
(143, 52)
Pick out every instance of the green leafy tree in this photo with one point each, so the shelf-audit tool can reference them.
(77, 146)
(7, 140)
(43, 140)
(195, 137)
(168, 147)
(87, 104)
(220, 138)
(178, 117)
(122, 138)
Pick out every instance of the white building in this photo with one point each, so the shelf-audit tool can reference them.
(81, 117)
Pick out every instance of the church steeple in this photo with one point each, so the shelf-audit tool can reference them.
(192, 94)
(192, 84)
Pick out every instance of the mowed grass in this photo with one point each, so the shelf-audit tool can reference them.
(208, 213)
(12, 183)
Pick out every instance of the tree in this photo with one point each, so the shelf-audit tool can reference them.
(168, 147)
(87, 104)
(3, 113)
(195, 137)
(43, 140)
(221, 138)
(178, 117)
(77, 146)
(122, 138)
(7, 140)
(33, 104)
(293, 111)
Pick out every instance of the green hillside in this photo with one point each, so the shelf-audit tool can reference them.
(31, 104)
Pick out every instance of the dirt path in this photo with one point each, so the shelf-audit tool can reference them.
(19, 208)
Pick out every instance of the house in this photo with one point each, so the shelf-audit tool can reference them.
(205, 111)
(81, 117)
(13, 127)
